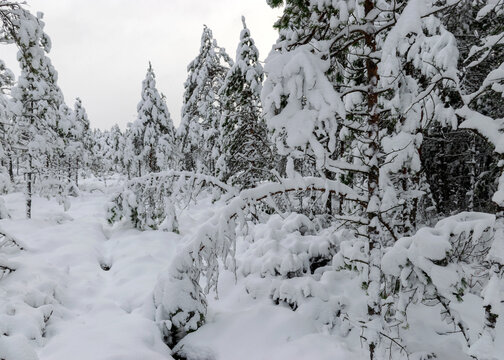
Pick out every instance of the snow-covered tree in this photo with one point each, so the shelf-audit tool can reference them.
(115, 154)
(67, 145)
(81, 133)
(152, 134)
(128, 156)
(481, 110)
(246, 154)
(7, 150)
(37, 96)
(459, 163)
(75, 145)
(198, 132)
(99, 163)
(167, 153)
(371, 74)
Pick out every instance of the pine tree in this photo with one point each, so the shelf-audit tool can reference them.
(99, 163)
(116, 143)
(246, 153)
(37, 95)
(69, 146)
(152, 124)
(199, 129)
(73, 128)
(7, 150)
(167, 153)
(371, 75)
(129, 155)
(82, 134)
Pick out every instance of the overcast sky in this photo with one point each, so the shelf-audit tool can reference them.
(101, 48)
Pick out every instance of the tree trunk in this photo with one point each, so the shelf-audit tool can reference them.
(373, 208)
(70, 170)
(472, 173)
(11, 169)
(77, 172)
(29, 184)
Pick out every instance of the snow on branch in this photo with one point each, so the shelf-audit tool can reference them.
(6, 267)
(215, 240)
(486, 126)
(217, 235)
(436, 265)
(148, 201)
(9, 241)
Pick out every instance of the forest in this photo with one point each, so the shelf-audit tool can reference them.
(343, 199)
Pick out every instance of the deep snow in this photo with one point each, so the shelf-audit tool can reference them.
(96, 314)
(83, 289)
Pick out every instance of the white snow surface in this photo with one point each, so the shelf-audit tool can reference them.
(92, 313)
(83, 290)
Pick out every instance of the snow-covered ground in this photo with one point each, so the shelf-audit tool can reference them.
(89, 282)
(83, 289)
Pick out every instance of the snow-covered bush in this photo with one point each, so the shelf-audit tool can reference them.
(439, 266)
(180, 304)
(215, 240)
(149, 202)
(58, 187)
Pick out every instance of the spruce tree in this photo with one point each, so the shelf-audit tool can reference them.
(38, 97)
(246, 152)
(201, 112)
(81, 134)
(153, 123)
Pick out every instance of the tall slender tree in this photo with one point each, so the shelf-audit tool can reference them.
(246, 154)
(201, 110)
(152, 124)
(369, 73)
(37, 95)
(7, 148)
(81, 133)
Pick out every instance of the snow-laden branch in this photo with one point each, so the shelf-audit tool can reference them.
(494, 81)
(215, 240)
(147, 201)
(216, 236)
(7, 240)
(207, 180)
(486, 126)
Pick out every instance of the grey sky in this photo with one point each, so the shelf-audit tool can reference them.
(101, 48)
